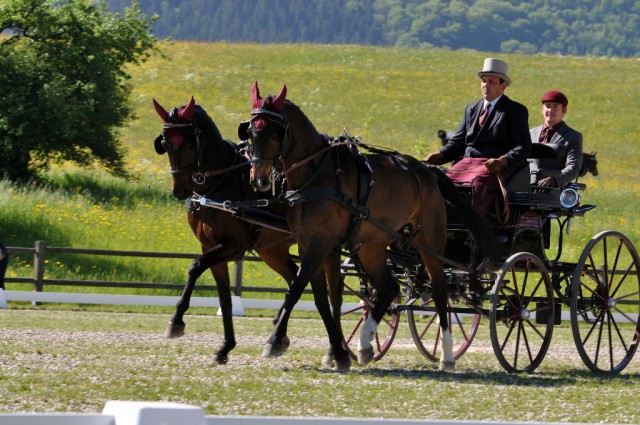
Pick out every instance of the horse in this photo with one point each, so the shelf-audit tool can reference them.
(589, 164)
(205, 164)
(333, 204)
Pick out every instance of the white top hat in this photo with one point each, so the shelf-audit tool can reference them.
(497, 68)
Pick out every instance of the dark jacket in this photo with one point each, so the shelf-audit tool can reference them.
(569, 164)
(506, 132)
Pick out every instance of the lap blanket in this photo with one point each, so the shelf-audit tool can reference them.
(472, 172)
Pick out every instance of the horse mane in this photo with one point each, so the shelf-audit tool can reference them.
(294, 115)
(206, 124)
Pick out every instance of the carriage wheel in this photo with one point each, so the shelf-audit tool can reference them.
(521, 291)
(425, 330)
(605, 290)
(353, 318)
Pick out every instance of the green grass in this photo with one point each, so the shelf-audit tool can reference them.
(393, 97)
(77, 361)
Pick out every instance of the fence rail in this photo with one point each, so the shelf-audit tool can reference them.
(41, 250)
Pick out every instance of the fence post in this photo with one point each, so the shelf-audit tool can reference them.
(38, 266)
(237, 278)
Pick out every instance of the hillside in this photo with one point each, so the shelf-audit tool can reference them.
(394, 97)
(588, 27)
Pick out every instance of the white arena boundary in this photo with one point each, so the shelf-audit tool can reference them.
(239, 304)
(163, 413)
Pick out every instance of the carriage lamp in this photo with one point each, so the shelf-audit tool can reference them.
(569, 198)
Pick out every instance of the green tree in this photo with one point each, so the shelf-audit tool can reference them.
(64, 86)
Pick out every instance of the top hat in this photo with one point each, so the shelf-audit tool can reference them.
(497, 68)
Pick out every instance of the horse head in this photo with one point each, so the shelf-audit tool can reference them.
(591, 163)
(267, 132)
(180, 140)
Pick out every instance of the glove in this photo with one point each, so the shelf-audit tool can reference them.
(495, 165)
(547, 182)
(435, 158)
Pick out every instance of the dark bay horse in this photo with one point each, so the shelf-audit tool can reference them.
(204, 163)
(326, 184)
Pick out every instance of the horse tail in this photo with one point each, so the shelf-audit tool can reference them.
(461, 208)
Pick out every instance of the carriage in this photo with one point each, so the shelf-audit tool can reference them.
(522, 292)
(524, 295)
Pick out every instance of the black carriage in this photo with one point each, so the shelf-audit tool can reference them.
(522, 295)
(527, 293)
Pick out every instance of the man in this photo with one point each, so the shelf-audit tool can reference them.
(493, 138)
(554, 130)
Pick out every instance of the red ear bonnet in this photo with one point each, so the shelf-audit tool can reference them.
(269, 106)
(183, 116)
(161, 111)
(187, 112)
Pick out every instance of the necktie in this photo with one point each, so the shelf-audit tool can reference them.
(484, 114)
(546, 134)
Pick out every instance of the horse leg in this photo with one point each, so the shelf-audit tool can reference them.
(275, 346)
(221, 275)
(336, 339)
(176, 326)
(373, 260)
(335, 285)
(279, 260)
(440, 296)
(216, 260)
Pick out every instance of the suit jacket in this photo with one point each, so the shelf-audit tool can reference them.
(505, 132)
(570, 164)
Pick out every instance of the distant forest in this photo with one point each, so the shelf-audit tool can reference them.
(567, 27)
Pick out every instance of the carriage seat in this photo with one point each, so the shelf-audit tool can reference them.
(524, 176)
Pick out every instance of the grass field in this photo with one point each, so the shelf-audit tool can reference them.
(77, 361)
(393, 97)
(57, 360)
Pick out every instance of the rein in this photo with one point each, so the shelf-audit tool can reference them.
(334, 144)
(199, 178)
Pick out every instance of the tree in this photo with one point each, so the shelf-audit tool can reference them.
(64, 87)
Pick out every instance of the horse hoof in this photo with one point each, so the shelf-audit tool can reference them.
(343, 365)
(365, 355)
(221, 358)
(285, 343)
(448, 366)
(327, 360)
(273, 350)
(174, 331)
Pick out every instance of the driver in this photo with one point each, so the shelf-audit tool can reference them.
(555, 130)
(493, 137)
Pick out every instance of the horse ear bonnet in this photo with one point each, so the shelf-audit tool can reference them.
(243, 130)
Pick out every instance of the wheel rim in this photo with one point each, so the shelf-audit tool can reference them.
(425, 330)
(605, 290)
(521, 314)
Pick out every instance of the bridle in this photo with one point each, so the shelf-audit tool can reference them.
(197, 176)
(277, 165)
(188, 128)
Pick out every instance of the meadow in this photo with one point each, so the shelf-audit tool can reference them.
(76, 361)
(392, 97)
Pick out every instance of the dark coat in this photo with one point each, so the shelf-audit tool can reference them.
(570, 164)
(506, 132)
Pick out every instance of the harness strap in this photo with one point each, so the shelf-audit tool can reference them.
(330, 193)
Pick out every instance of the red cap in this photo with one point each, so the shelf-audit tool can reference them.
(555, 96)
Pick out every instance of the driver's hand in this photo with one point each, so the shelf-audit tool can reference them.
(435, 158)
(495, 165)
